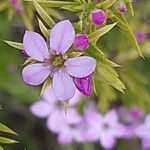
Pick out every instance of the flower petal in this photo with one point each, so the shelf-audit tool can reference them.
(80, 66)
(65, 137)
(107, 141)
(146, 143)
(41, 109)
(35, 74)
(75, 99)
(35, 46)
(63, 85)
(49, 96)
(62, 37)
(56, 122)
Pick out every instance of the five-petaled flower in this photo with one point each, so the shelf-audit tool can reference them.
(54, 61)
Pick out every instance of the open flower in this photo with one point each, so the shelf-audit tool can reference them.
(52, 109)
(103, 128)
(54, 62)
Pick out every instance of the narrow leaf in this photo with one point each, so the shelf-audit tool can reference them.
(43, 29)
(15, 44)
(105, 4)
(7, 140)
(100, 32)
(4, 128)
(43, 14)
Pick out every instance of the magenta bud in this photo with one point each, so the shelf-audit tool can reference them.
(84, 85)
(122, 8)
(98, 17)
(81, 42)
(140, 36)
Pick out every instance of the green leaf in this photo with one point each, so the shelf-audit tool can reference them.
(3, 5)
(129, 6)
(75, 54)
(27, 21)
(46, 85)
(1, 148)
(43, 29)
(15, 44)
(105, 4)
(4, 128)
(43, 14)
(53, 3)
(109, 76)
(100, 32)
(7, 140)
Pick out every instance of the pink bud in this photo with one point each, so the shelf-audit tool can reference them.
(141, 36)
(122, 8)
(81, 42)
(98, 17)
(84, 85)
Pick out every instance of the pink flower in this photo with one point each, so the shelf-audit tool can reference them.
(141, 36)
(143, 132)
(81, 42)
(104, 128)
(122, 8)
(98, 17)
(17, 6)
(54, 62)
(84, 85)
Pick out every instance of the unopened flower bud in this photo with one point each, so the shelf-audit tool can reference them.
(98, 17)
(140, 36)
(84, 85)
(122, 8)
(81, 42)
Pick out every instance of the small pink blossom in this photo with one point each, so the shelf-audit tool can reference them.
(54, 62)
(81, 42)
(98, 17)
(103, 128)
(84, 85)
(122, 8)
(141, 36)
(17, 6)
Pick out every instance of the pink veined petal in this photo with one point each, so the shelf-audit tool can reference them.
(80, 66)
(35, 46)
(62, 37)
(49, 96)
(107, 141)
(41, 109)
(56, 122)
(63, 86)
(35, 74)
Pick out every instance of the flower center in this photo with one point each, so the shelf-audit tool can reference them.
(57, 61)
(106, 126)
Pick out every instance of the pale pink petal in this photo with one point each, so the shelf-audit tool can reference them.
(41, 109)
(111, 117)
(35, 46)
(56, 122)
(73, 117)
(62, 37)
(49, 96)
(75, 99)
(147, 120)
(63, 85)
(65, 137)
(80, 66)
(107, 141)
(92, 135)
(35, 74)
(146, 143)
